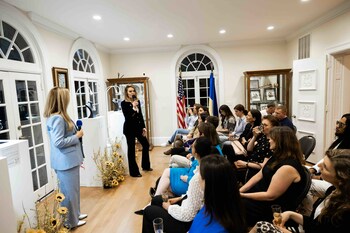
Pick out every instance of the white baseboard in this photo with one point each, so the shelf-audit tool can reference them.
(158, 141)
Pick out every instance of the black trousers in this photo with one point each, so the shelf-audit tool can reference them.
(171, 225)
(145, 164)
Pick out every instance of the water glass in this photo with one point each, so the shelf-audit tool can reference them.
(158, 225)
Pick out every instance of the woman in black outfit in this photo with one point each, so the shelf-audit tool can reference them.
(134, 126)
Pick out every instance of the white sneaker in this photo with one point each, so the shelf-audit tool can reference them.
(82, 216)
(80, 223)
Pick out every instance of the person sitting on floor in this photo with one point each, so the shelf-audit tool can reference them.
(223, 210)
(330, 213)
(178, 213)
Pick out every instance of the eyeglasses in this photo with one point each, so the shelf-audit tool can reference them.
(341, 124)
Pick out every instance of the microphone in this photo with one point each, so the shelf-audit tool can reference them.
(79, 125)
(134, 97)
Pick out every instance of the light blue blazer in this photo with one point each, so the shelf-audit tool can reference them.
(65, 146)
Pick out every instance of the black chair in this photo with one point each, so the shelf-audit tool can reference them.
(307, 144)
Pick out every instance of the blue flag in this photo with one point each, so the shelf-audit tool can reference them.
(213, 105)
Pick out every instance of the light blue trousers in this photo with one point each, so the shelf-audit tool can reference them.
(178, 131)
(69, 185)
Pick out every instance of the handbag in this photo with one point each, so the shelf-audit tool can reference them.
(238, 148)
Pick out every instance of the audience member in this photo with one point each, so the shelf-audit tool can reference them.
(228, 122)
(240, 113)
(222, 210)
(280, 180)
(281, 115)
(269, 110)
(178, 213)
(253, 119)
(331, 213)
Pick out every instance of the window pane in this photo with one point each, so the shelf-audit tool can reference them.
(32, 159)
(40, 155)
(34, 108)
(35, 180)
(14, 54)
(3, 119)
(9, 31)
(191, 93)
(24, 114)
(42, 176)
(20, 42)
(38, 137)
(203, 92)
(21, 91)
(4, 45)
(202, 83)
(28, 56)
(204, 102)
(190, 83)
(27, 133)
(33, 95)
(4, 136)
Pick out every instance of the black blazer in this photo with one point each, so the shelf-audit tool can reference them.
(134, 122)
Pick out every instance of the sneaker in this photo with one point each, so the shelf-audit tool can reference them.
(81, 223)
(82, 216)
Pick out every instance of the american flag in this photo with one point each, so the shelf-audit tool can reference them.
(180, 104)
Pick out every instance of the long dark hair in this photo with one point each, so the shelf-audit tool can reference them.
(344, 139)
(208, 130)
(202, 145)
(339, 200)
(257, 115)
(221, 196)
(287, 145)
(227, 115)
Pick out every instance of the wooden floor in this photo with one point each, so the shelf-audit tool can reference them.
(112, 210)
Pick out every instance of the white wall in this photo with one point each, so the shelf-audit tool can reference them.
(157, 66)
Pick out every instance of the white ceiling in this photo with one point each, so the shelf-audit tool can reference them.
(147, 22)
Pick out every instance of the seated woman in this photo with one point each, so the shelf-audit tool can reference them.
(194, 131)
(331, 213)
(190, 119)
(222, 210)
(176, 217)
(240, 113)
(280, 180)
(207, 130)
(228, 122)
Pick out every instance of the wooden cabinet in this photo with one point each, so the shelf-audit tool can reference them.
(266, 86)
(116, 96)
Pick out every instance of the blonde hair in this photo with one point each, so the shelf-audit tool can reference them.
(57, 103)
(126, 97)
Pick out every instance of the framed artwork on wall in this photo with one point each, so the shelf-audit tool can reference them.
(263, 107)
(255, 96)
(254, 84)
(60, 77)
(254, 106)
(270, 94)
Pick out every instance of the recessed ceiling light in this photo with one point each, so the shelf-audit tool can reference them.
(126, 38)
(270, 28)
(304, 0)
(97, 17)
(170, 35)
(223, 31)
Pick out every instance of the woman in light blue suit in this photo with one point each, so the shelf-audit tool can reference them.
(66, 152)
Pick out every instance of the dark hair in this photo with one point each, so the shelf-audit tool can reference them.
(202, 145)
(287, 145)
(197, 107)
(343, 140)
(206, 109)
(208, 131)
(227, 111)
(257, 115)
(339, 200)
(221, 196)
(269, 105)
(213, 120)
(240, 107)
(273, 120)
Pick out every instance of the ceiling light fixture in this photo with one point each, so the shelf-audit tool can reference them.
(97, 17)
(223, 31)
(170, 35)
(126, 38)
(304, 0)
(270, 28)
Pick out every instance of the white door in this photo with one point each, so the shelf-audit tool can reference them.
(308, 107)
(21, 116)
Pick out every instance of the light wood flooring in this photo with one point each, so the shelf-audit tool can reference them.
(112, 210)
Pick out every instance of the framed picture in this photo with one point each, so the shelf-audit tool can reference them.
(270, 94)
(254, 84)
(263, 107)
(60, 77)
(255, 96)
(254, 106)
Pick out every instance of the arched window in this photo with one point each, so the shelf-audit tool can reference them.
(13, 46)
(196, 69)
(85, 87)
(83, 62)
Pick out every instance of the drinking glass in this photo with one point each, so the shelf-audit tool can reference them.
(277, 211)
(165, 197)
(158, 225)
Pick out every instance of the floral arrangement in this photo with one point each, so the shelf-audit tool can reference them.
(47, 220)
(111, 165)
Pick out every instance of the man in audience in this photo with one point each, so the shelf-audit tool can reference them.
(281, 115)
(318, 186)
(270, 109)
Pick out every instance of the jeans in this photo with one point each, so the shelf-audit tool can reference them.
(178, 131)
